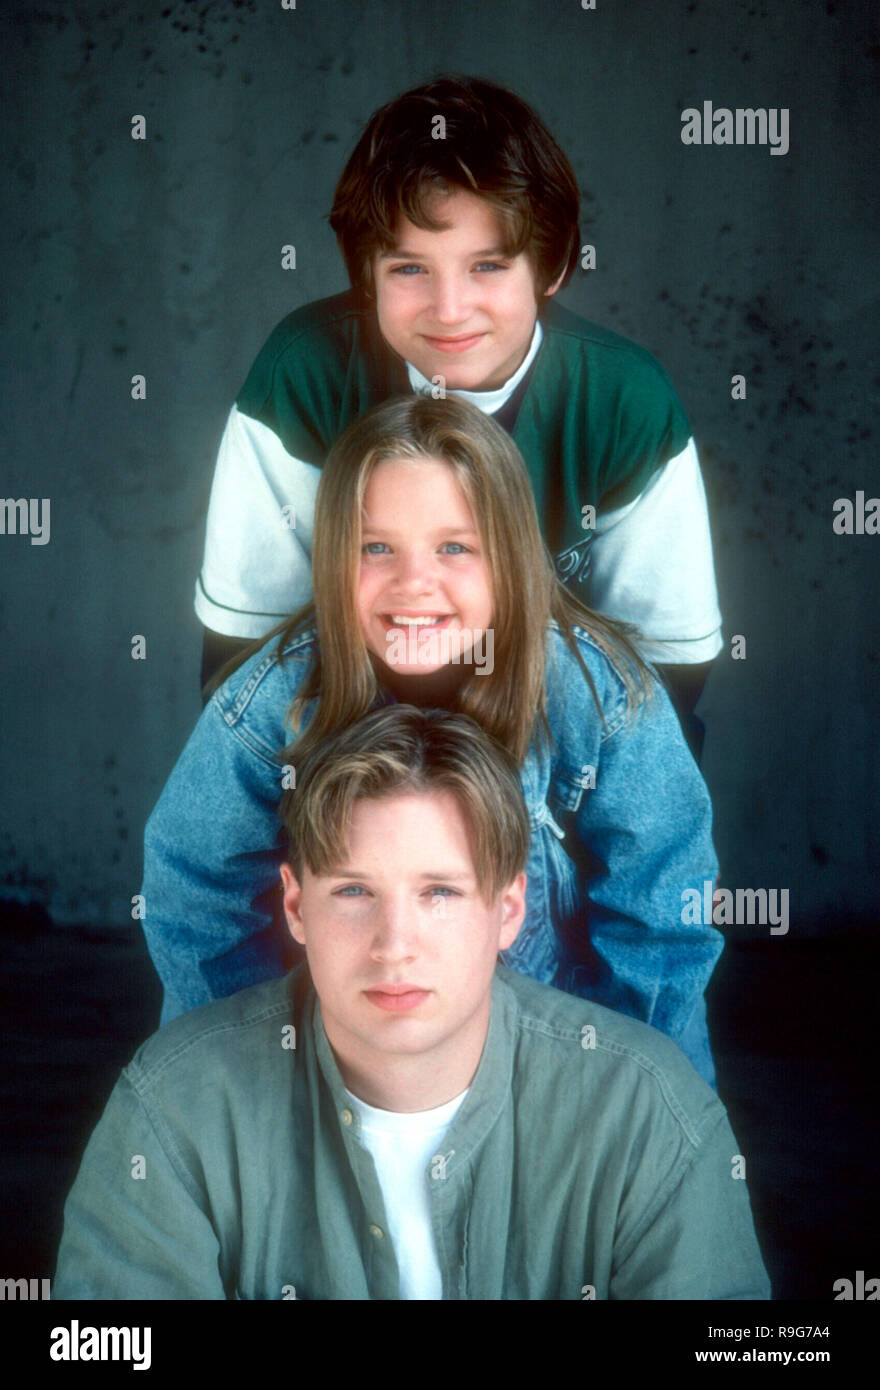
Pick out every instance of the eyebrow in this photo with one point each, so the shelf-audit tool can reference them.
(404, 255)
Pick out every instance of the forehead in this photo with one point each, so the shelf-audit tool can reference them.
(470, 220)
(422, 485)
(410, 833)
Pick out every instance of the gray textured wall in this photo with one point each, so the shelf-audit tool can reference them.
(163, 257)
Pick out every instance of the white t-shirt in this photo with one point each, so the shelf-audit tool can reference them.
(402, 1145)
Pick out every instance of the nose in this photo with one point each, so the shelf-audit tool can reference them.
(415, 573)
(395, 931)
(452, 301)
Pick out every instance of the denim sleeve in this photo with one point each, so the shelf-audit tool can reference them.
(212, 850)
(647, 824)
(135, 1227)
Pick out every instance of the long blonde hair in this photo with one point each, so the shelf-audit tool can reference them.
(510, 703)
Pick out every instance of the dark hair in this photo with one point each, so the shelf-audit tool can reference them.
(398, 750)
(492, 144)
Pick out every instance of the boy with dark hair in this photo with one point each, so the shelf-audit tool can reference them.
(402, 1117)
(457, 216)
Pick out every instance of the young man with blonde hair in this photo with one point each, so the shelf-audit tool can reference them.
(402, 1117)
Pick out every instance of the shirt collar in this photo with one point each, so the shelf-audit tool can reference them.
(487, 401)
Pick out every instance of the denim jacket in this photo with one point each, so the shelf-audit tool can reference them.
(621, 827)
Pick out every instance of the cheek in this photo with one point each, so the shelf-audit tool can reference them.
(472, 966)
(481, 593)
(332, 951)
(381, 307)
(520, 307)
(368, 587)
(391, 309)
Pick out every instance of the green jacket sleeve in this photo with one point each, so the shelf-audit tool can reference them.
(136, 1224)
(694, 1237)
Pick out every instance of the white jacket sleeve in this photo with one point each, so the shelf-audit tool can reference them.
(257, 565)
(652, 566)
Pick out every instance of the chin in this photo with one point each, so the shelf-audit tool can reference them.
(458, 377)
(427, 670)
(466, 381)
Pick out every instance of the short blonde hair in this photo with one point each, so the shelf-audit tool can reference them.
(399, 750)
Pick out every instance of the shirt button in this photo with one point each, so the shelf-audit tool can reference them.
(377, 1232)
(346, 1117)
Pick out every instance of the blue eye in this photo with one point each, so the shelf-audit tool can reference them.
(374, 548)
(441, 891)
(406, 269)
(490, 265)
(351, 890)
(455, 548)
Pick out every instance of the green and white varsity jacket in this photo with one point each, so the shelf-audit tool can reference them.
(597, 421)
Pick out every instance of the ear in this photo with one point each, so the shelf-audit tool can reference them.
(513, 910)
(555, 286)
(292, 899)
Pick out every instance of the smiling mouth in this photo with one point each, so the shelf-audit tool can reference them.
(416, 623)
(460, 344)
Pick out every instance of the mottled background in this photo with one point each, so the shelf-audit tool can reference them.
(162, 257)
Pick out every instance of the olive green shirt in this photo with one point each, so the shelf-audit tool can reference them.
(588, 1159)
